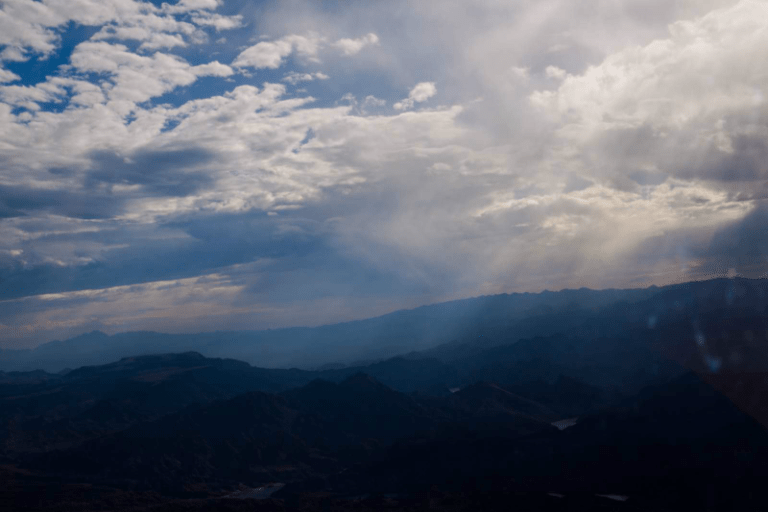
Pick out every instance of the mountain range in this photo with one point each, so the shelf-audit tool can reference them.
(640, 400)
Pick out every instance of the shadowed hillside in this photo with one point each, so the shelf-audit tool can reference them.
(650, 404)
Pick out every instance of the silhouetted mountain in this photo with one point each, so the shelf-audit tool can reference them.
(406, 375)
(99, 399)
(358, 436)
(712, 327)
(681, 446)
(245, 438)
(485, 399)
(313, 430)
(31, 377)
(359, 408)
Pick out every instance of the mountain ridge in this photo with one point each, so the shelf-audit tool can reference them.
(377, 338)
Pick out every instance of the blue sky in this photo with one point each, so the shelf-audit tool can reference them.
(206, 164)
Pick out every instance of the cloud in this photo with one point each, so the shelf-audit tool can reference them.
(217, 21)
(8, 76)
(419, 94)
(571, 147)
(167, 172)
(138, 78)
(742, 245)
(690, 105)
(555, 72)
(271, 54)
(353, 46)
(422, 92)
(373, 101)
(20, 200)
(294, 78)
(30, 27)
(264, 55)
(150, 40)
(196, 5)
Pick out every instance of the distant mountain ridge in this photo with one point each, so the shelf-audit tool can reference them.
(307, 347)
(440, 329)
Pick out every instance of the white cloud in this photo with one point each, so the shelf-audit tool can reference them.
(306, 46)
(422, 92)
(706, 66)
(270, 54)
(353, 46)
(51, 91)
(136, 78)
(265, 54)
(214, 68)
(194, 5)
(31, 27)
(25, 24)
(555, 72)
(217, 21)
(675, 105)
(419, 94)
(294, 78)
(8, 76)
(373, 101)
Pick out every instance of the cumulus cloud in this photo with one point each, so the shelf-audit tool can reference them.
(373, 101)
(29, 27)
(137, 78)
(420, 93)
(555, 72)
(271, 54)
(265, 54)
(691, 105)
(353, 46)
(8, 76)
(294, 78)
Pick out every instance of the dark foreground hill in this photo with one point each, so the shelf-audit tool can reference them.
(312, 431)
(41, 411)
(680, 446)
(360, 445)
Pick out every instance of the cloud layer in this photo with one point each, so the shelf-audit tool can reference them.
(203, 165)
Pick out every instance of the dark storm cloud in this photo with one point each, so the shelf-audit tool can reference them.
(323, 274)
(175, 249)
(740, 245)
(576, 183)
(647, 178)
(159, 172)
(748, 161)
(169, 172)
(743, 243)
(622, 153)
(19, 200)
(228, 238)
(300, 253)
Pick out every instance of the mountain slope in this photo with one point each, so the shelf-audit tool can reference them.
(371, 339)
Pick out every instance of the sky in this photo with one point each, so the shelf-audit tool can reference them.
(206, 165)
